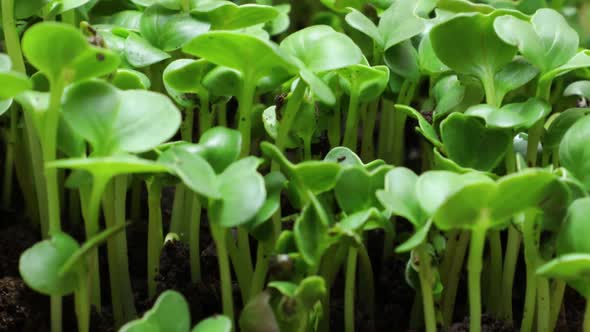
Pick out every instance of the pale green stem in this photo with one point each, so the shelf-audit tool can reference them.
(556, 301)
(194, 236)
(245, 102)
(350, 289)
(474, 267)
(155, 234)
(510, 260)
(450, 293)
(426, 278)
(496, 269)
(219, 236)
(543, 305)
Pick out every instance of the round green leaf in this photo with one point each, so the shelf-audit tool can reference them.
(513, 76)
(61, 52)
(192, 169)
(242, 194)
(353, 189)
(466, 209)
(139, 53)
(399, 195)
(574, 268)
(217, 323)
(12, 84)
(221, 147)
(516, 116)
(40, 265)
(168, 30)
(434, 187)
(580, 88)
(185, 75)
(572, 236)
(574, 151)
(311, 235)
(320, 48)
(91, 109)
(457, 43)
(560, 125)
(344, 156)
(252, 57)
(146, 119)
(128, 79)
(400, 22)
(169, 313)
(471, 144)
(547, 41)
(226, 15)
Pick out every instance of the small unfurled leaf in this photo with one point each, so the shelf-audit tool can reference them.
(128, 79)
(513, 76)
(424, 127)
(311, 235)
(448, 93)
(471, 144)
(353, 189)
(258, 315)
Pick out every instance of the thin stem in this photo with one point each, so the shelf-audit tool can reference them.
(450, 293)
(474, 267)
(205, 115)
(11, 37)
(9, 160)
(194, 238)
(334, 126)
(245, 102)
(449, 258)
(543, 305)
(426, 288)
(368, 144)
(155, 234)
(366, 282)
(490, 91)
(349, 289)
(242, 270)
(82, 300)
(509, 271)
(535, 132)
(293, 104)
(221, 110)
(496, 268)
(92, 228)
(352, 122)
(259, 275)
(219, 236)
(530, 257)
(244, 252)
(556, 301)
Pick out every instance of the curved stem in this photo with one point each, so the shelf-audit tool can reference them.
(509, 271)
(205, 116)
(155, 234)
(293, 104)
(530, 257)
(496, 268)
(352, 122)
(82, 300)
(449, 258)
(219, 236)
(349, 289)
(450, 293)
(366, 282)
(556, 302)
(92, 228)
(245, 102)
(194, 237)
(426, 288)
(474, 267)
(368, 144)
(543, 307)
(259, 275)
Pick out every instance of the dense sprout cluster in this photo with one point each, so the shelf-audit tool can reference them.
(287, 129)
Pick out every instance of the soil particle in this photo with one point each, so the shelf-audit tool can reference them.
(13, 241)
(20, 307)
(488, 324)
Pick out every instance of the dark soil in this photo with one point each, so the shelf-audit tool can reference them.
(488, 324)
(21, 309)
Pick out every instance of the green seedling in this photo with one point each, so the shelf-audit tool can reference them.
(57, 267)
(171, 313)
